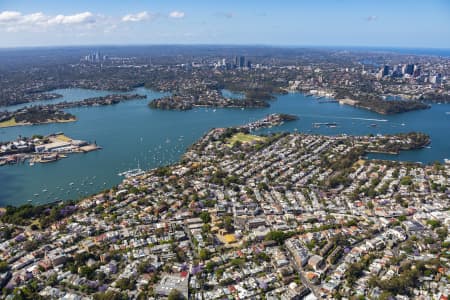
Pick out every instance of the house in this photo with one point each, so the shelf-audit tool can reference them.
(316, 262)
(170, 282)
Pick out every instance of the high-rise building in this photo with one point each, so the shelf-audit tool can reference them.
(409, 69)
(95, 57)
(383, 72)
(397, 72)
(241, 61)
(417, 71)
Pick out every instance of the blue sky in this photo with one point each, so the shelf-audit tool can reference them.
(381, 23)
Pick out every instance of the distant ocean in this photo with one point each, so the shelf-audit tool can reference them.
(413, 51)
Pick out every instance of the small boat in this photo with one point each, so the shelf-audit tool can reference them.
(373, 125)
(30, 200)
(403, 124)
(31, 164)
(71, 183)
(36, 195)
(44, 190)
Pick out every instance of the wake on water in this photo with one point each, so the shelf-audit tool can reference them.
(374, 120)
(347, 118)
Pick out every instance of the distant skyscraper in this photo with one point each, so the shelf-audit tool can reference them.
(409, 69)
(241, 61)
(397, 71)
(416, 72)
(95, 57)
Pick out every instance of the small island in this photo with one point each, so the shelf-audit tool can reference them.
(211, 98)
(42, 149)
(100, 101)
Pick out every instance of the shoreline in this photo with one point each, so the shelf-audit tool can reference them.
(40, 123)
(237, 129)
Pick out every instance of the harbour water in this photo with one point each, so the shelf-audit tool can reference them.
(133, 135)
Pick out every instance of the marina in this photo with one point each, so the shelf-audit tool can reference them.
(42, 149)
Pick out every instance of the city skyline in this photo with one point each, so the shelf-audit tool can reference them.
(412, 24)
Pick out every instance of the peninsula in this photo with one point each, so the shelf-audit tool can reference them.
(52, 113)
(34, 115)
(270, 216)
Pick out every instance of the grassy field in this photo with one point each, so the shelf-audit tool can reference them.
(9, 123)
(63, 138)
(244, 138)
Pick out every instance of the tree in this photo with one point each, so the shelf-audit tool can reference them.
(203, 254)
(205, 216)
(277, 236)
(3, 266)
(434, 223)
(228, 223)
(109, 295)
(175, 295)
(406, 180)
(126, 284)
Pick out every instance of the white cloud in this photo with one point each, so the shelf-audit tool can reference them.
(176, 14)
(9, 16)
(142, 16)
(12, 21)
(371, 18)
(81, 18)
(36, 18)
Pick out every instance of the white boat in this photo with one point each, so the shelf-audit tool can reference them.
(447, 161)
